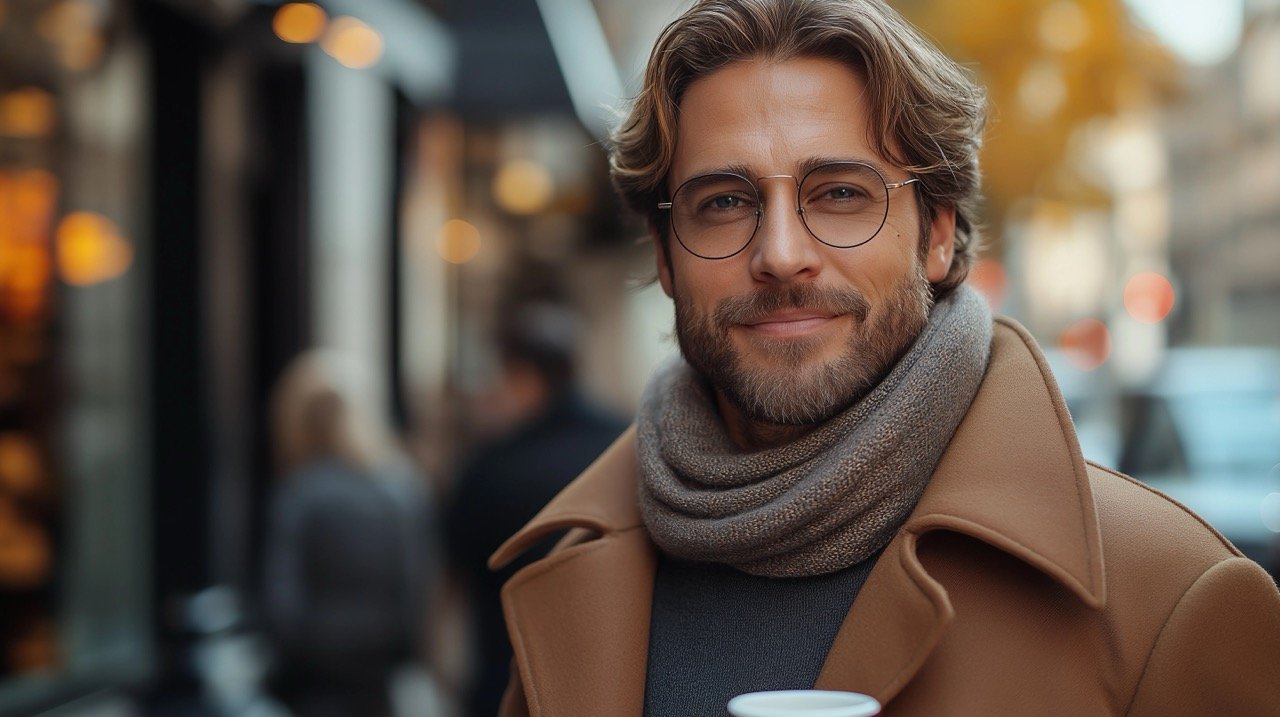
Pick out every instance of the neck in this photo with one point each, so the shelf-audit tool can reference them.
(752, 435)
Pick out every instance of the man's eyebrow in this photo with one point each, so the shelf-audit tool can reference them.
(802, 169)
(813, 163)
(735, 168)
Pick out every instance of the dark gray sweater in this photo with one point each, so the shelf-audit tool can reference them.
(717, 633)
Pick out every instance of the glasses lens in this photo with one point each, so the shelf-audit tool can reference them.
(714, 216)
(845, 203)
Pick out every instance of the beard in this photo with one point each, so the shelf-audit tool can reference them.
(785, 383)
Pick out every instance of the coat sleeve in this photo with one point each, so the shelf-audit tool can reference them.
(1219, 651)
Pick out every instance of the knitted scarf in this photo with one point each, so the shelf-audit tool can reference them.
(829, 499)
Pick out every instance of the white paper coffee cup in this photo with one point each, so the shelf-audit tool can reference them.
(803, 703)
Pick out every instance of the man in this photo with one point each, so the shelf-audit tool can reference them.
(554, 432)
(855, 479)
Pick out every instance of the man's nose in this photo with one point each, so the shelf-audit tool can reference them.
(783, 249)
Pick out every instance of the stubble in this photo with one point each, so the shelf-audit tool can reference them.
(782, 381)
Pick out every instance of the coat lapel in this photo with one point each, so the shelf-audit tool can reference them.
(579, 619)
(579, 650)
(898, 618)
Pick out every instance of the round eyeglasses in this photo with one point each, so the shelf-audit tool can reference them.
(841, 204)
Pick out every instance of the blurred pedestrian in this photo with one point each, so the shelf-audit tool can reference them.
(554, 431)
(349, 552)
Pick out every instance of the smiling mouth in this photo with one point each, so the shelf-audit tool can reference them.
(790, 324)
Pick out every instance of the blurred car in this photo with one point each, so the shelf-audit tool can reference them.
(1205, 429)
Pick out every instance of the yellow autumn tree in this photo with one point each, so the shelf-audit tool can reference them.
(1050, 67)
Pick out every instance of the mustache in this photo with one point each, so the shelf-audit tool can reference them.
(748, 308)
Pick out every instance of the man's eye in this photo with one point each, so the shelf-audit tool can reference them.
(844, 193)
(724, 203)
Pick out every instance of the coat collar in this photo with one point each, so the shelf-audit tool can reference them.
(1013, 477)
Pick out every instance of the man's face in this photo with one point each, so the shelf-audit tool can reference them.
(790, 330)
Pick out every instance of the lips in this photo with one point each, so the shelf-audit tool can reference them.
(789, 311)
(793, 322)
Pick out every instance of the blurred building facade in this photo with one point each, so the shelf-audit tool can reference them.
(173, 231)
(1223, 144)
(75, 434)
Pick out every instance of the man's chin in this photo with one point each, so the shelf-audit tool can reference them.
(756, 352)
(798, 393)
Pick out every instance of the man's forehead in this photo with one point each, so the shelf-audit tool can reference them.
(773, 116)
(766, 116)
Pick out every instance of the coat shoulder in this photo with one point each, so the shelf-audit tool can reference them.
(1207, 619)
(1139, 524)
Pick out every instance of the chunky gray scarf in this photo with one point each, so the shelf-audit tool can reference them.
(828, 500)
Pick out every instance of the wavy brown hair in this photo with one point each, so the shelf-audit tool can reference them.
(926, 113)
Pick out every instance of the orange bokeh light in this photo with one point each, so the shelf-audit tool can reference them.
(28, 113)
(1086, 343)
(458, 242)
(91, 249)
(352, 43)
(25, 550)
(1149, 297)
(23, 288)
(29, 268)
(523, 187)
(299, 22)
(21, 470)
(27, 199)
(73, 28)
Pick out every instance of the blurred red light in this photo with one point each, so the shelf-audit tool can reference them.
(991, 280)
(1086, 343)
(1149, 297)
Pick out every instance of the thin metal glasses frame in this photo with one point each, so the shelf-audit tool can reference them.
(760, 206)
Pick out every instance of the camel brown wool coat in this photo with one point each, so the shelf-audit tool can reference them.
(1025, 582)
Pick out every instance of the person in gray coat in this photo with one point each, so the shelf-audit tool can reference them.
(348, 551)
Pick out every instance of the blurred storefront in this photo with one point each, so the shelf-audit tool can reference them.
(189, 195)
(75, 420)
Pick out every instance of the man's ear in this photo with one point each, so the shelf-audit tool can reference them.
(942, 241)
(664, 264)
